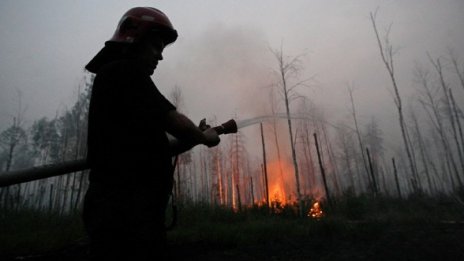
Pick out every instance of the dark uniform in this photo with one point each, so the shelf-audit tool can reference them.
(129, 155)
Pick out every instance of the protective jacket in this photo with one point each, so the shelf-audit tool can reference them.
(127, 140)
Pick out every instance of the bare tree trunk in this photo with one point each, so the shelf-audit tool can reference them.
(50, 199)
(285, 70)
(460, 140)
(239, 200)
(395, 172)
(266, 184)
(252, 191)
(421, 145)
(327, 192)
(438, 68)
(220, 178)
(80, 190)
(416, 179)
(386, 54)
(236, 173)
(332, 160)
(309, 160)
(66, 177)
(312, 173)
(295, 164)
(358, 135)
(436, 120)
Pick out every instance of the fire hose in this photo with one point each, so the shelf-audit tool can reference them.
(51, 170)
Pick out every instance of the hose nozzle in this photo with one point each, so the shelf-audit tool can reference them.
(227, 127)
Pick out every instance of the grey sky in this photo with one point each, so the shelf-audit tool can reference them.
(221, 60)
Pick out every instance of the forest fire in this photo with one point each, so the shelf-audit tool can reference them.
(277, 194)
(279, 173)
(316, 211)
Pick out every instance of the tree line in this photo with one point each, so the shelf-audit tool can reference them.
(328, 159)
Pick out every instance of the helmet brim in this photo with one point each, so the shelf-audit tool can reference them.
(168, 36)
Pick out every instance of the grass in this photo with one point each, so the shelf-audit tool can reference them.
(355, 228)
(29, 232)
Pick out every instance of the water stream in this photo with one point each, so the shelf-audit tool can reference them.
(259, 119)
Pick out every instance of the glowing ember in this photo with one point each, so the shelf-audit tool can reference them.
(316, 211)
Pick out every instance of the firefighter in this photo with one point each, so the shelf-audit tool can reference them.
(128, 151)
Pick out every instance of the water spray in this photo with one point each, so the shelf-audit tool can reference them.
(256, 120)
(299, 116)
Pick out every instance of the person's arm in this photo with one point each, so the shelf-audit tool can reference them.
(187, 134)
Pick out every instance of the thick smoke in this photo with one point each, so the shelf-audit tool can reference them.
(223, 72)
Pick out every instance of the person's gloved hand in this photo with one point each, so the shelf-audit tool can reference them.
(211, 136)
(203, 126)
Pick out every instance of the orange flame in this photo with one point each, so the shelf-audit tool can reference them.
(277, 194)
(279, 176)
(282, 187)
(316, 211)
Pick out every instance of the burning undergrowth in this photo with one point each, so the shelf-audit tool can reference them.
(282, 196)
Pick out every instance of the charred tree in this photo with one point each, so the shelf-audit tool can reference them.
(386, 53)
(395, 173)
(422, 150)
(289, 68)
(333, 163)
(448, 107)
(458, 123)
(374, 141)
(266, 183)
(431, 105)
(324, 179)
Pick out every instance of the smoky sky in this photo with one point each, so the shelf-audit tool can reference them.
(222, 61)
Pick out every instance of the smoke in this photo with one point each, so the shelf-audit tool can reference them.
(228, 72)
(222, 72)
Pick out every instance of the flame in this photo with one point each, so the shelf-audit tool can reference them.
(316, 211)
(277, 194)
(280, 176)
(282, 189)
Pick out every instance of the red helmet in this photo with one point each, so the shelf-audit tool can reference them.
(140, 22)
